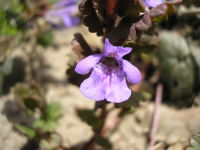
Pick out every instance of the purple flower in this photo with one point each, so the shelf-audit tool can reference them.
(153, 3)
(109, 74)
(63, 13)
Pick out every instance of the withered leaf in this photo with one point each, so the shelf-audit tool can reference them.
(85, 7)
(132, 33)
(90, 17)
(80, 46)
(144, 24)
(129, 8)
(162, 10)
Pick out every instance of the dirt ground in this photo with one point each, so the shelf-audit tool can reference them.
(175, 126)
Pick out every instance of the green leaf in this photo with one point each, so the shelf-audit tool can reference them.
(176, 65)
(52, 112)
(49, 118)
(52, 143)
(135, 99)
(131, 105)
(90, 118)
(28, 97)
(31, 104)
(195, 143)
(26, 130)
(45, 125)
(104, 142)
(45, 38)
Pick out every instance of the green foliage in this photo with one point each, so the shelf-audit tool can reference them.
(195, 143)
(10, 18)
(104, 142)
(52, 143)
(134, 100)
(176, 65)
(6, 28)
(131, 105)
(90, 118)
(52, 111)
(45, 38)
(26, 130)
(48, 120)
(28, 97)
(45, 125)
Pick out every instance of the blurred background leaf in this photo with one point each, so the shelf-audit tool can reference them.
(26, 130)
(90, 118)
(45, 38)
(103, 142)
(195, 143)
(49, 117)
(177, 67)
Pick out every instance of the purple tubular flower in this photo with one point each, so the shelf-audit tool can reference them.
(63, 13)
(109, 74)
(153, 3)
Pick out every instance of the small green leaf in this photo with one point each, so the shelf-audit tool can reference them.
(26, 130)
(52, 112)
(90, 118)
(45, 125)
(28, 97)
(104, 142)
(31, 104)
(45, 38)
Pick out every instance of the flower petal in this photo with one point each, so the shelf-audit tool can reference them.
(109, 48)
(65, 3)
(115, 51)
(117, 90)
(94, 86)
(67, 20)
(86, 64)
(122, 51)
(132, 73)
(153, 3)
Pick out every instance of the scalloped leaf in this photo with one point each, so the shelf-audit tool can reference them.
(176, 65)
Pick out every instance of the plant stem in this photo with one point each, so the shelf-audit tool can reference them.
(91, 143)
(159, 93)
